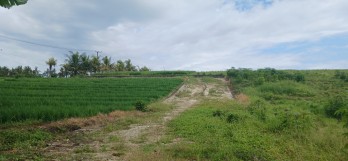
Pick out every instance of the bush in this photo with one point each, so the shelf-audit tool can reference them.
(218, 113)
(231, 118)
(334, 105)
(140, 106)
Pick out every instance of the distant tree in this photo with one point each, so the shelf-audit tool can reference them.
(10, 3)
(51, 62)
(107, 65)
(86, 65)
(64, 72)
(36, 71)
(17, 71)
(4, 71)
(95, 63)
(73, 63)
(120, 66)
(144, 68)
(129, 66)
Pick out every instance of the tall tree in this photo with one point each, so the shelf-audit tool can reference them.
(95, 62)
(144, 68)
(10, 3)
(73, 63)
(107, 65)
(85, 63)
(129, 65)
(64, 71)
(51, 62)
(120, 66)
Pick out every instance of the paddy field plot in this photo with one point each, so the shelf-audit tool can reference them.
(53, 99)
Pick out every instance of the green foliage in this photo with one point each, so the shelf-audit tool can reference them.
(18, 144)
(218, 113)
(289, 88)
(244, 77)
(285, 119)
(10, 3)
(258, 108)
(343, 75)
(19, 72)
(53, 99)
(21, 139)
(232, 118)
(334, 105)
(140, 106)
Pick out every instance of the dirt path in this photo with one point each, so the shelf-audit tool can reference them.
(122, 144)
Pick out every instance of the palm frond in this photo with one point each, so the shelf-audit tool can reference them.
(10, 3)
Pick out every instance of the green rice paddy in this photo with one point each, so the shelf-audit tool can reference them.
(53, 99)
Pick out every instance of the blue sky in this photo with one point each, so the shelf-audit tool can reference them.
(328, 52)
(181, 35)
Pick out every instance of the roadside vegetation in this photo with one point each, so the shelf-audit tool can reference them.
(276, 115)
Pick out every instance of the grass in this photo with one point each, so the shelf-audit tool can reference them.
(53, 99)
(26, 141)
(277, 119)
(239, 134)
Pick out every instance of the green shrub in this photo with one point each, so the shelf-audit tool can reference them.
(232, 118)
(140, 106)
(333, 106)
(295, 123)
(218, 113)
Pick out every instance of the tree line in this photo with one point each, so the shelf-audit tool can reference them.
(76, 64)
(19, 71)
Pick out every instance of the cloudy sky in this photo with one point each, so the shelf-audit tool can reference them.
(181, 34)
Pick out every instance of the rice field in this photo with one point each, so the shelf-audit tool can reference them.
(53, 99)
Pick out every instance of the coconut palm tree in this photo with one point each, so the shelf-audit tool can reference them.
(107, 65)
(10, 3)
(73, 62)
(51, 63)
(95, 62)
(85, 64)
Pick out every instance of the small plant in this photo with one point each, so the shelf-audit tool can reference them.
(218, 113)
(140, 106)
(231, 118)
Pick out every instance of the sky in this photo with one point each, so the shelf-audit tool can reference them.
(201, 35)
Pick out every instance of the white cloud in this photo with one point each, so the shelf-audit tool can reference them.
(190, 35)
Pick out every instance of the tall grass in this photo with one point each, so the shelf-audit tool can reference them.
(282, 119)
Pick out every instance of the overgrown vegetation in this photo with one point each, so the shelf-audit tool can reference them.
(287, 115)
(27, 141)
(244, 77)
(53, 99)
